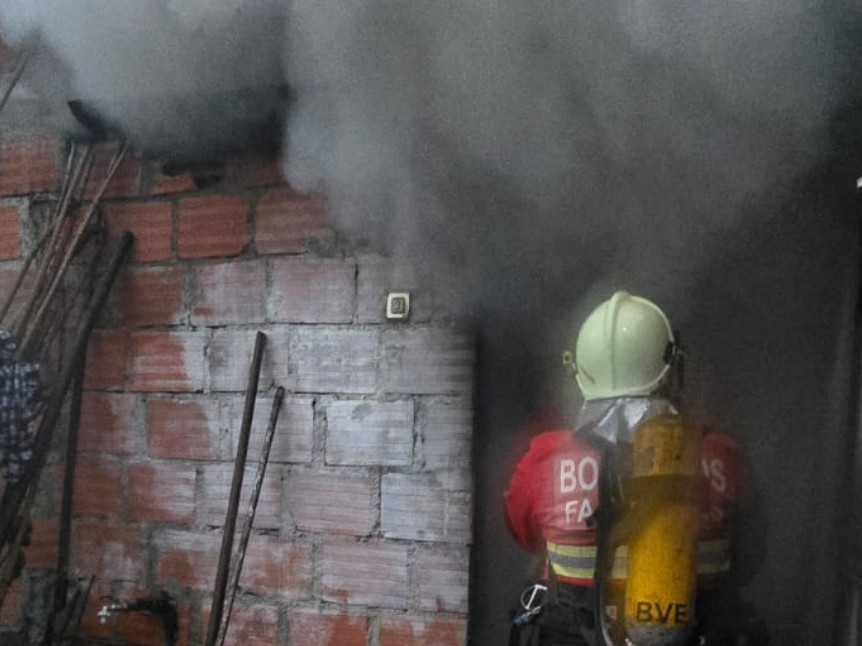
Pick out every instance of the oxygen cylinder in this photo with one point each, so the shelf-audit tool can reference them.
(661, 573)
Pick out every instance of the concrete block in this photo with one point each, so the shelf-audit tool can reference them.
(427, 361)
(230, 352)
(229, 294)
(446, 431)
(214, 493)
(417, 507)
(369, 433)
(312, 290)
(332, 502)
(367, 574)
(334, 360)
(293, 437)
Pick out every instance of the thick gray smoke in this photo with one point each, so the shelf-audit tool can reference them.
(585, 137)
(523, 158)
(170, 74)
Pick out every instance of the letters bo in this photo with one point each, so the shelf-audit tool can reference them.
(583, 474)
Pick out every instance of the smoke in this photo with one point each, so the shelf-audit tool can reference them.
(170, 74)
(589, 138)
(526, 158)
(609, 135)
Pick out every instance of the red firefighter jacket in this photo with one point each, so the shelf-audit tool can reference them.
(554, 491)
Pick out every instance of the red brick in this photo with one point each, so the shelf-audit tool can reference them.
(126, 180)
(332, 503)
(28, 165)
(9, 232)
(11, 606)
(229, 294)
(186, 558)
(212, 226)
(326, 628)
(372, 574)
(257, 171)
(167, 361)
(107, 551)
(250, 625)
(152, 224)
(274, 567)
(41, 554)
(162, 492)
(147, 296)
(183, 429)
(286, 220)
(312, 290)
(404, 630)
(144, 629)
(108, 423)
(98, 487)
(106, 361)
(164, 184)
(215, 491)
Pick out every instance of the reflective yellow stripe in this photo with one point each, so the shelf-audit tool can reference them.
(572, 561)
(579, 561)
(713, 557)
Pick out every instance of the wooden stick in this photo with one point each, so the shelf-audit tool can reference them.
(235, 489)
(58, 227)
(73, 248)
(245, 534)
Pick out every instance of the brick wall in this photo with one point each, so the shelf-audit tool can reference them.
(364, 523)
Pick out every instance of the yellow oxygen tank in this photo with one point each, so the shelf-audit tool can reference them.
(661, 571)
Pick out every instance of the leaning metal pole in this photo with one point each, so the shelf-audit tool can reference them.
(245, 534)
(61, 577)
(235, 490)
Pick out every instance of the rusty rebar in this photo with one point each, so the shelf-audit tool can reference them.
(245, 534)
(235, 490)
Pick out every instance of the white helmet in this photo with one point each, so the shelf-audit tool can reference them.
(625, 347)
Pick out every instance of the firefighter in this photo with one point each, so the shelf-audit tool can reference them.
(633, 513)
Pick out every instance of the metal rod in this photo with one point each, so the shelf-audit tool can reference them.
(14, 494)
(245, 534)
(61, 583)
(72, 249)
(72, 619)
(235, 489)
(9, 557)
